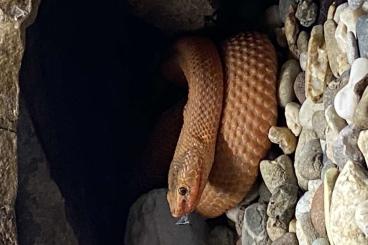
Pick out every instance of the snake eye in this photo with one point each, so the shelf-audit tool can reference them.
(183, 191)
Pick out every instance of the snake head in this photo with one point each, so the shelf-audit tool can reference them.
(185, 185)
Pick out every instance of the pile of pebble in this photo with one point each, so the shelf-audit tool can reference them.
(317, 191)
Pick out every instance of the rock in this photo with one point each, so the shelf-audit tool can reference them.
(307, 111)
(287, 239)
(321, 241)
(334, 87)
(292, 225)
(221, 235)
(314, 184)
(304, 205)
(340, 35)
(282, 203)
(305, 231)
(299, 87)
(302, 41)
(150, 222)
(280, 37)
(306, 12)
(361, 217)
(351, 189)
(272, 17)
(346, 146)
(288, 73)
(339, 10)
(349, 17)
(275, 228)
(362, 34)
(291, 32)
(318, 72)
(328, 186)
(254, 228)
(319, 124)
(360, 117)
(327, 165)
(352, 47)
(173, 17)
(292, 117)
(354, 4)
(365, 6)
(284, 8)
(333, 120)
(334, 52)
(346, 100)
(310, 160)
(284, 138)
(299, 165)
(278, 172)
(264, 194)
(331, 11)
(41, 214)
(363, 144)
(318, 212)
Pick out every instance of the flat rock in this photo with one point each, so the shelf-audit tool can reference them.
(360, 118)
(318, 212)
(292, 117)
(351, 189)
(150, 222)
(221, 235)
(305, 231)
(254, 225)
(275, 228)
(282, 203)
(287, 239)
(175, 16)
(361, 217)
(278, 172)
(346, 146)
(363, 144)
(306, 112)
(288, 73)
(362, 34)
(306, 12)
(299, 87)
(283, 137)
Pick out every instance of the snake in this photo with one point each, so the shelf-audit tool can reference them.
(231, 106)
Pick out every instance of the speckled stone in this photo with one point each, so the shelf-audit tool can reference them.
(299, 87)
(288, 73)
(318, 212)
(319, 124)
(254, 225)
(275, 228)
(351, 189)
(287, 239)
(362, 34)
(306, 12)
(291, 32)
(284, 138)
(334, 87)
(305, 231)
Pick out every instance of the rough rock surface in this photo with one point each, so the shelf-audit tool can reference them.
(284, 8)
(307, 111)
(275, 228)
(306, 12)
(299, 87)
(334, 87)
(254, 225)
(292, 117)
(15, 16)
(175, 16)
(318, 212)
(351, 189)
(288, 73)
(305, 231)
(362, 34)
(309, 161)
(41, 217)
(287, 239)
(361, 217)
(150, 222)
(284, 138)
(291, 32)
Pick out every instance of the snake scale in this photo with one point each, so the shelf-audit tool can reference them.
(231, 106)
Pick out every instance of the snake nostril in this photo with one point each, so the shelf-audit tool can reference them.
(183, 191)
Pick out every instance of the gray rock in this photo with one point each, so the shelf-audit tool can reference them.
(254, 225)
(282, 203)
(288, 73)
(221, 235)
(173, 16)
(321, 241)
(264, 194)
(287, 239)
(150, 222)
(354, 4)
(362, 34)
(318, 213)
(346, 146)
(299, 87)
(333, 120)
(275, 228)
(319, 124)
(306, 12)
(360, 118)
(334, 87)
(284, 8)
(351, 189)
(278, 172)
(302, 41)
(305, 231)
(352, 47)
(41, 215)
(310, 160)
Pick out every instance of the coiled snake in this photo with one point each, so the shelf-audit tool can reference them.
(231, 106)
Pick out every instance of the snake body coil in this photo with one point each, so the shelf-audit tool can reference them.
(226, 122)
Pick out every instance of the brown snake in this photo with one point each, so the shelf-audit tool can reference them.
(226, 122)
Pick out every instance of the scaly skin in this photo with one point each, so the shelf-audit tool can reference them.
(249, 109)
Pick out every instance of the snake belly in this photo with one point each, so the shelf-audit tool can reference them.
(249, 109)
